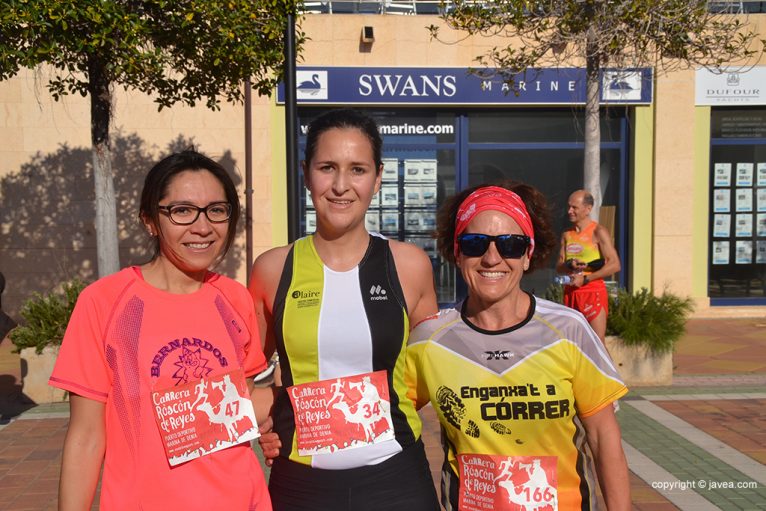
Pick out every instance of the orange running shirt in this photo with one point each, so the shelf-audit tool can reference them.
(580, 245)
(127, 338)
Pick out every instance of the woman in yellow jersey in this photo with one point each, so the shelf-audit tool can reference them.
(522, 386)
(338, 305)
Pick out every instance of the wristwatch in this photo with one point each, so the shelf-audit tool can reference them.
(585, 280)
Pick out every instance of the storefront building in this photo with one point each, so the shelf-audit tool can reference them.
(664, 158)
(656, 152)
(446, 129)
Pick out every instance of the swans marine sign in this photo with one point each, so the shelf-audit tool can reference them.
(342, 413)
(205, 416)
(458, 86)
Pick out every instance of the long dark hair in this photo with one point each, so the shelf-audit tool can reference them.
(158, 180)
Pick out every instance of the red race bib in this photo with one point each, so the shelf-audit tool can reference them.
(508, 483)
(205, 416)
(342, 413)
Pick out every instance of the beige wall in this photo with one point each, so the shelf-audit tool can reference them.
(47, 231)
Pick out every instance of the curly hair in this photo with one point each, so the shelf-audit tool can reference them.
(537, 206)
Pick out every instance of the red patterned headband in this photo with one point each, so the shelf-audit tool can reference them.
(494, 198)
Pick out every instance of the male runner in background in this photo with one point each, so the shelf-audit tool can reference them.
(587, 255)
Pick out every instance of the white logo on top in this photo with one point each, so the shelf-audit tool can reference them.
(377, 293)
(311, 84)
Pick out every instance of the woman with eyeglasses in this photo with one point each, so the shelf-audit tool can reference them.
(522, 386)
(339, 304)
(158, 361)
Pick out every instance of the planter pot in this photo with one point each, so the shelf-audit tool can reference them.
(639, 367)
(36, 369)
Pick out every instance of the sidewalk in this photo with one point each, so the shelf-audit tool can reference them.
(697, 445)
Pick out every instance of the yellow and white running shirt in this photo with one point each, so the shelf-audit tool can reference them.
(336, 332)
(510, 402)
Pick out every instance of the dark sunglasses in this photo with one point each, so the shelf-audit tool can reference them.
(510, 246)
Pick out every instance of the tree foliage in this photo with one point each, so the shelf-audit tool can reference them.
(618, 33)
(183, 51)
(664, 34)
(179, 51)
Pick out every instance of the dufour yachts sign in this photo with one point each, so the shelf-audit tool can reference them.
(458, 86)
(731, 87)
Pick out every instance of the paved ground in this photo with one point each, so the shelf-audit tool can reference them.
(697, 445)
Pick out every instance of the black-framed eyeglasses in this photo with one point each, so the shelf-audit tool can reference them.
(187, 214)
(510, 246)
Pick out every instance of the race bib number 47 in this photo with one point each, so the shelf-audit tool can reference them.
(204, 417)
(508, 483)
(342, 413)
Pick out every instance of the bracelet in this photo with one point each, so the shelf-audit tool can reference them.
(585, 280)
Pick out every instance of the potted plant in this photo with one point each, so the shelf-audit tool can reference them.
(38, 338)
(642, 331)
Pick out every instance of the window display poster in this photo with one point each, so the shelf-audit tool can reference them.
(428, 171)
(721, 226)
(419, 221)
(311, 222)
(744, 228)
(426, 243)
(389, 196)
(375, 202)
(390, 169)
(412, 170)
(744, 174)
(309, 202)
(429, 195)
(420, 195)
(722, 174)
(429, 220)
(744, 200)
(744, 251)
(761, 180)
(720, 252)
(760, 254)
(760, 223)
(412, 196)
(389, 221)
(761, 198)
(721, 200)
(372, 221)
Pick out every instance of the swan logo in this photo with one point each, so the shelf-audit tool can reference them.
(311, 84)
(621, 86)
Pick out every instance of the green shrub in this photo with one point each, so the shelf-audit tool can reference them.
(46, 318)
(555, 293)
(641, 318)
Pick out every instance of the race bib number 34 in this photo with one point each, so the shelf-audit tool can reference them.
(204, 417)
(342, 413)
(508, 483)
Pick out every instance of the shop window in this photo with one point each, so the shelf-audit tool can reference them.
(556, 172)
(430, 154)
(539, 125)
(737, 232)
(419, 172)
